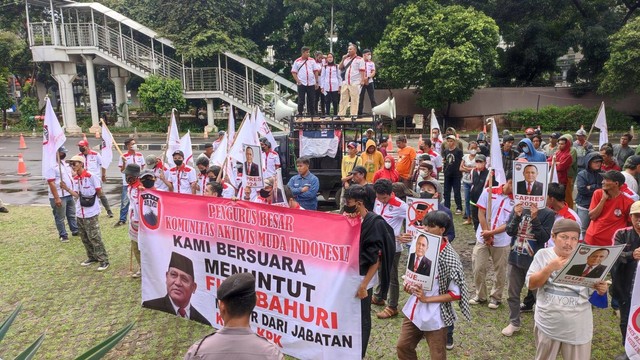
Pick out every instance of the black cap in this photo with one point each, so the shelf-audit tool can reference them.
(508, 138)
(208, 145)
(132, 169)
(421, 206)
(633, 160)
(366, 51)
(359, 169)
(62, 149)
(181, 262)
(237, 285)
(614, 175)
(555, 135)
(178, 152)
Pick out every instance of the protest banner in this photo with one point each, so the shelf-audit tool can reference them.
(422, 260)
(632, 341)
(252, 171)
(530, 179)
(417, 208)
(306, 275)
(588, 265)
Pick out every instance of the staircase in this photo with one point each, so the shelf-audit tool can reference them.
(124, 47)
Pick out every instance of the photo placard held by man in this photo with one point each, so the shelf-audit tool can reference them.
(531, 181)
(416, 210)
(251, 167)
(423, 256)
(588, 265)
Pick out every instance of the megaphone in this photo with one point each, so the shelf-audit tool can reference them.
(387, 108)
(292, 104)
(283, 110)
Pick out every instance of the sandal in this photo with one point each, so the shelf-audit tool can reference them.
(376, 301)
(387, 313)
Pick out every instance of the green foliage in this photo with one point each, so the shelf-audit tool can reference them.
(29, 352)
(100, 350)
(159, 95)
(568, 118)
(446, 52)
(8, 321)
(28, 109)
(622, 70)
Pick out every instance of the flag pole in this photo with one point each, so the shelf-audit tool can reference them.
(553, 168)
(489, 201)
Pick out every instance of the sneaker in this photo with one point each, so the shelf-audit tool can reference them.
(88, 262)
(3, 209)
(476, 301)
(493, 304)
(449, 341)
(467, 222)
(64, 239)
(136, 275)
(103, 266)
(75, 233)
(458, 212)
(510, 329)
(526, 308)
(622, 356)
(110, 214)
(119, 223)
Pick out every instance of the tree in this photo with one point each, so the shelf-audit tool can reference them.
(159, 95)
(445, 52)
(622, 70)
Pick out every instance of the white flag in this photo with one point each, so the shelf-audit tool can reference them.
(52, 138)
(554, 174)
(246, 135)
(106, 147)
(185, 146)
(434, 124)
(174, 140)
(601, 123)
(231, 128)
(632, 344)
(263, 128)
(218, 156)
(496, 155)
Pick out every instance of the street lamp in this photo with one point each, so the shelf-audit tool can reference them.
(332, 38)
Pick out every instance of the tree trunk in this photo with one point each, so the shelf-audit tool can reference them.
(4, 119)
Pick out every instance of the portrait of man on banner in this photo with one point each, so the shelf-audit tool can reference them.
(251, 167)
(530, 181)
(417, 208)
(423, 257)
(588, 265)
(181, 286)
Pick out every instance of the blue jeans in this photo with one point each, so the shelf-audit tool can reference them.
(124, 204)
(467, 200)
(584, 219)
(68, 209)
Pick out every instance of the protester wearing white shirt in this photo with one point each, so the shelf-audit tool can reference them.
(304, 71)
(330, 82)
(369, 74)
(354, 76)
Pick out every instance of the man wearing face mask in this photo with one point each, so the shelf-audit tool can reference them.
(159, 170)
(369, 74)
(93, 164)
(528, 152)
(132, 156)
(182, 177)
(148, 179)
(61, 201)
(377, 250)
(202, 164)
(431, 189)
(132, 173)
(227, 190)
(478, 183)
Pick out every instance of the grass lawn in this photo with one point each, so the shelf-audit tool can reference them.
(78, 307)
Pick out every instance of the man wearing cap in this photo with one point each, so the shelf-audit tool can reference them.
(132, 156)
(218, 141)
(181, 286)
(132, 173)
(452, 156)
(208, 151)
(563, 318)
(478, 184)
(551, 148)
(202, 164)
(583, 147)
(359, 177)
(431, 189)
(369, 74)
(623, 272)
(270, 159)
(85, 187)
(236, 301)
(93, 164)
(492, 242)
(508, 154)
(148, 179)
(159, 170)
(182, 178)
(61, 201)
(609, 210)
(622, 151)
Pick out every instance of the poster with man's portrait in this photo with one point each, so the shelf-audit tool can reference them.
(530, 183)
(417, 208)
(588, 265)
(251, 167)
(423, 259)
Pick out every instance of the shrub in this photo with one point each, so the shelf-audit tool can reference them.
(552, 118)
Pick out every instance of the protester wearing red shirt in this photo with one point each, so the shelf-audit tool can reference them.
(608, 160)
(609, 210)
(388, 171)
(563, 160)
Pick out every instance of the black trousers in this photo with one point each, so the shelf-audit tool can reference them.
(307, 93)
(449, 184)
(369, 88)
(319, 98)
(625, 307)
(365, 320)
(332, 98)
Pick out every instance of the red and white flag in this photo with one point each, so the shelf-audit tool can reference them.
(263, 128)
(52, 138)
(106, 147)
(185, 147)
(496, 155)
(601, 123)
(174, 140)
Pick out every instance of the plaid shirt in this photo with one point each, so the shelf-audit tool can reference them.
(450, 269)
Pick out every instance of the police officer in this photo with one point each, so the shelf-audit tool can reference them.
(236, 340)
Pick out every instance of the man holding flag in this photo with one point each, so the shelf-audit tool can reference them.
(132, 156)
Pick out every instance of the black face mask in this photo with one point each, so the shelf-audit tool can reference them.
(148, 183)
(212, 178)
(203, 172)
(63, 155)
(264, 193)
(426, 195)
(178, 162)
(131, 179)
(82, 149)
(350, 209)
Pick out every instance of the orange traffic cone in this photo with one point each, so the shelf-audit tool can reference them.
(23, 145)
(22, 167)
(390, 143)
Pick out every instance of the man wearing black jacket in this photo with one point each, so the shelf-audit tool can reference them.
(377, 249)
(452, 156)
(478, 182)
